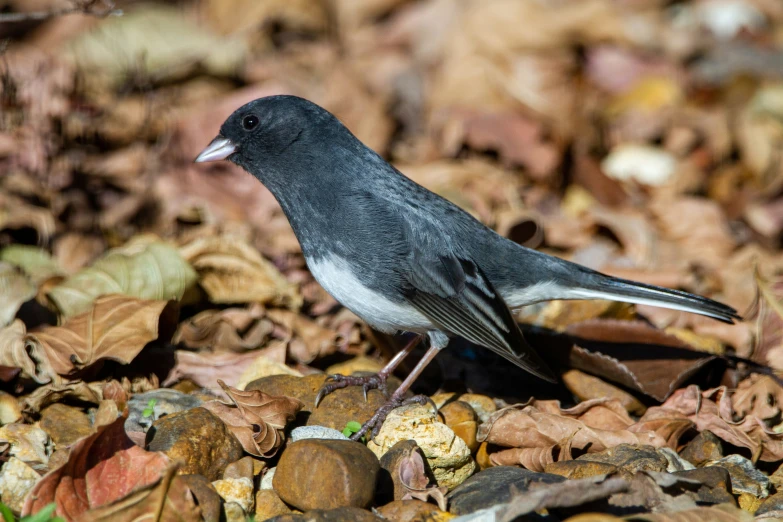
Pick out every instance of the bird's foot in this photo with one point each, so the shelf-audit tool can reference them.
(368, 382)
(376, 421)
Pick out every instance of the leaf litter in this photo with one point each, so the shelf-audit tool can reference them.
(640, 139)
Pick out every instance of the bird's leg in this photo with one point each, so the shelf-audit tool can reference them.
(369, 382)
(398, 397)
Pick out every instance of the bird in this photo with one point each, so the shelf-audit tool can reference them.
(402, 258)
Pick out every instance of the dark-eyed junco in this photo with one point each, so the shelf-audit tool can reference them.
(401, 257)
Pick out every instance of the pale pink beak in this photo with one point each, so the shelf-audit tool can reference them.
(219, 149)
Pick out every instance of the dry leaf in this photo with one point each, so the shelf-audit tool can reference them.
(15, 289)
(309, 339)
(76, 391)
(232, 271)
(256, 418)
(205, 369)
(36, 262)
(416, 482)
(143, 268)
(759, 396)
(233, 330)
(16, 352)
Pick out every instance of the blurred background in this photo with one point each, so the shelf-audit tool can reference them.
(642, 138)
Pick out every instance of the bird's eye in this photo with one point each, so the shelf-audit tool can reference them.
(249, 122)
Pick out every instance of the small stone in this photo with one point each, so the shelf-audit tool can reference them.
(482, 456)
(166, 402)
(716, 483)
(269, 505)
(771, 507)
(264, 367)
(629, 458)
(343, 514)
(238, 491)
(65, 424)
(703, 448)
(749, 502)
(494, 486)
(316, 432)
(745, 478)
(233, 512)
(16, 480)
(326, 474)
(10, 411)
(29, 443)
(413, 511)
(462, 419)
(207, 497)
(676, 462)
(197, 438)
(579, 469)
(242, 468)
(361, 363)
(483, 406)
(266, 480)
(447, 455)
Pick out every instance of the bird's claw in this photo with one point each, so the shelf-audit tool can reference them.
(335, 382)
(376, 421)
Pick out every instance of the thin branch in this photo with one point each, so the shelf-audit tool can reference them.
(99, 8)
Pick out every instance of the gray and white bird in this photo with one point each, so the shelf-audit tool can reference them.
(401, 257)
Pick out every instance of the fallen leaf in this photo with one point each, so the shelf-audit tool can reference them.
(144, 268)
(256, 418)
(15, 213)
(759, 396)
(205, 369)
(15, 289)
(16, 353)
(308, 339)
(232, 329)
(416, 482)
(232, 271)
(101, 468)
(28, 443)
(73, 391)
(36, 262)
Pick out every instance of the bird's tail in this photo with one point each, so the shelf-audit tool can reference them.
(594, 285)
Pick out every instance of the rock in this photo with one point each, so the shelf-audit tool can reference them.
(28, 443)
(269, 505)
(326, 474)
(482, 456)
(10, 411)
(65, 424)
(748, 502)
(483, 406)
(167, 401)
(629, 458)
(460, 417)
(716, 483)
(676, 462)
(237, 490)
(242, 468)
(266, 480)
(344, 514)
(358, 364)
(197, 438)
(745, 478)
(390, 486)
(447, 455)
(233, 512)
(703, 448)
(264, 367)
(16, 480)
(413, 511)
(316, 432)
(579, 469)
(494, 486)
(207, 497)
(772, 507)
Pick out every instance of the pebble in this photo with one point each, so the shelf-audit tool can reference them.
(716, 483)
(629, 458)
(242, 468)
(266, 480)
(344, 514)
(10, 411)
(494, 486)
(238, 491)
(447, 455)
(16, 480)
(65, 424)
(462, 419)
(745, 478)
(197, 438)
(316, 432)
(771, 507)
(579, 469)
(676, 462)
(390, 485)
(703, 448)
(326, 474)
(29, 444)
(209, 502)
(362, 363)
(269, 505)
(413, 511)
(167, 401)
(263, 367)
(483, 406)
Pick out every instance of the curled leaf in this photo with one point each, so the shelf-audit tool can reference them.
(15, 289)
(414, 479)
(256, 418)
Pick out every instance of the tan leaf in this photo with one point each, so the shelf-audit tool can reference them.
(759, 396)
(256, 418)
(15, 289)
(14, 353)
(310, 340)
(233, 329)
(232, 271)
(206, 368)
(36, 262)
(145, 268)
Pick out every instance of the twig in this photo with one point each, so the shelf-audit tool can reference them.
(99, 8)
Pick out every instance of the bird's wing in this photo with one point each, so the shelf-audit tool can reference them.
(455, 295)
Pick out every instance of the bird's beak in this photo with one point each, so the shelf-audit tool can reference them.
(219, 149)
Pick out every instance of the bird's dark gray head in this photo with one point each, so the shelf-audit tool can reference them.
(274, 132)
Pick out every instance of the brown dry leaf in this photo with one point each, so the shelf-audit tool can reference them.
(719, 513)
(15, 289)
(759, 396)
(232, 271)
(767, 311)
(116, 328)
(414, 479)
(15, 213)
(16, 352)
(232, 330)
(634, 354)
(205, 369)
(309, 339)
(712, 410)
(76, 391)
(256, 418)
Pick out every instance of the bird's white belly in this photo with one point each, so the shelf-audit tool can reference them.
(333, 274)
